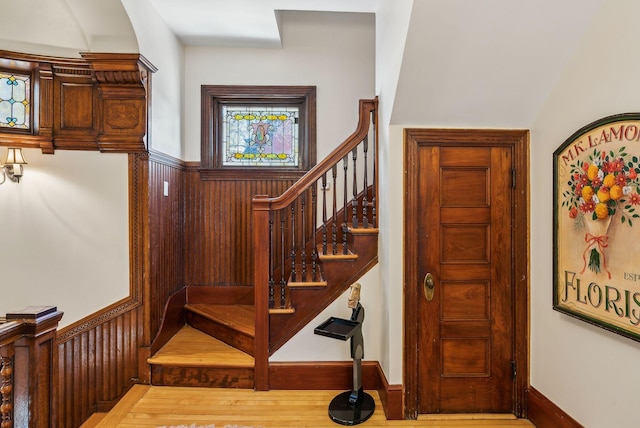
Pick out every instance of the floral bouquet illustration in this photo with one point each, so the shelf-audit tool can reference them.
(602, 186)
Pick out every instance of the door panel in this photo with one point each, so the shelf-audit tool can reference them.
(465, 333)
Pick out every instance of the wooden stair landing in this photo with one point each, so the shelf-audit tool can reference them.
(193, 358)
(231, 324)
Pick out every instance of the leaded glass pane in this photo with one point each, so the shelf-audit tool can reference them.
(260, 136)
(15, 100)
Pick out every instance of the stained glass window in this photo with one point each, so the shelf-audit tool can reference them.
(15, 100)
(260, 136)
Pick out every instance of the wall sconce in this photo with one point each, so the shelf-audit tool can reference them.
(12, 167)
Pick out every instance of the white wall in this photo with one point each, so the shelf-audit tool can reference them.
(160, 46)
(65, 238)
(335, 52)
(392, 24)
(590, 373)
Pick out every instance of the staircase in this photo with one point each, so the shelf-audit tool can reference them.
(314, 240)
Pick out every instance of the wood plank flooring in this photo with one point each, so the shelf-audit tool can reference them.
(191, 347)
(157, 406)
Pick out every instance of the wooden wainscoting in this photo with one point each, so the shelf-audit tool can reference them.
(97, 362)
(166, 234)
(101, 356)
(218, 227)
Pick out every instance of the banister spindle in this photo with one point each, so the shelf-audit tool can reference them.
(354, 209)
(324, 213)
(283, 256)
(314, 221)
(272, 254)
(365, 200)
(345, 222)
(303, 241)
(374, 183)
(293, 242)
(334, 226)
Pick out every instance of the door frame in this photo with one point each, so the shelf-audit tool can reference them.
(518, 140)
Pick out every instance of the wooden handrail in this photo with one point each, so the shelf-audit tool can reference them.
(264, 214)
(314, 174)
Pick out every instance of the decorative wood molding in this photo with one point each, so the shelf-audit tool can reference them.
(6, 386)
(543, 413)
(99, 102)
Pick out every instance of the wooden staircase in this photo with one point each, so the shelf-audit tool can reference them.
(223, 336)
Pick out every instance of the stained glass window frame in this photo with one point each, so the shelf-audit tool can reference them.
(16, 113)
(262, 155)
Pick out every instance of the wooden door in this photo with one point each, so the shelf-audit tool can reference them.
(465, 274)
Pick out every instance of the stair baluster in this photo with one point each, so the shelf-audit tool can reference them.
(354, 188)
(365, 184)
(353, 206)
(374, 165)
(324, 213)
(345, 221)
(272, 250)
(303, 251)
(294, 276)
(314, 221)
(334, 227)
(283, 279)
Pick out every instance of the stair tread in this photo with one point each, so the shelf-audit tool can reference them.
(339, 255)
(191, 347)
(239, 317)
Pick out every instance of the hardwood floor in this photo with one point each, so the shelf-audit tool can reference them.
(158, 406)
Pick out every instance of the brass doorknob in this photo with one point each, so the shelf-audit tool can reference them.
(429, 286)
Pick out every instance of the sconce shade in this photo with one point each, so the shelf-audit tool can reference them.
(14, 157)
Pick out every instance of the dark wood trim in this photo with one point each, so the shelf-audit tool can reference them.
(322, 375)
(391, 397)
(543, 413)
(338, 375)
(100, 102)
(214, 96)
(221, 295)
(260, 240)
(167, 160)
(173, 320)
(518, 140)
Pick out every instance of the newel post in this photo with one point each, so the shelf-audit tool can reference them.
(261, 256)
(35, 367)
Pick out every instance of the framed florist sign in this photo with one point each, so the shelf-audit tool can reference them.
(597, 225)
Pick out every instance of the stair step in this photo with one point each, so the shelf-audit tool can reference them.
(308, 279)
(231, 324)
(339, 253)
(282, 311)
(193, 358)
(364, 230)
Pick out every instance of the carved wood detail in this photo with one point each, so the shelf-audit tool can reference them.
(6, 389)
(99, 102)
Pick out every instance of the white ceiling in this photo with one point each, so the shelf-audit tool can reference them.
(241, 23)
(471, 62)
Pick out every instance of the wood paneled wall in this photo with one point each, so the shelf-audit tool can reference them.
(97, 364)
(166, 234)
(218, 228)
